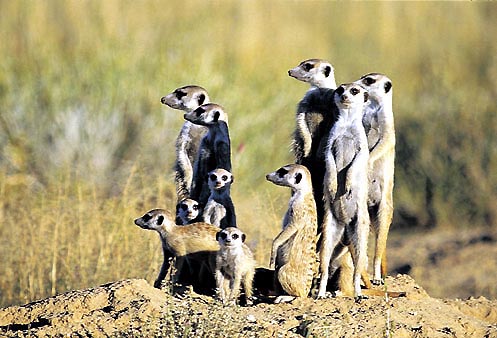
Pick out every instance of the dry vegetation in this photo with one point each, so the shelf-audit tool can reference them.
(86, 146)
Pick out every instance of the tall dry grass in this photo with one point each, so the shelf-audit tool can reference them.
(86, 145)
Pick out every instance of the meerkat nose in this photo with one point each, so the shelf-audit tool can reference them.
(163, 100)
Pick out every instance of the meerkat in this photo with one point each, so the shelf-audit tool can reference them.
(346, 220)
(235, 264)
(378, 123)
(187, 99)
(195, 241)
(293, 253)
(215, 147)
(188, 211)
(219, 209)
(315, 116)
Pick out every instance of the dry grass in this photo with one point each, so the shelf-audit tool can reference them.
(86, 145)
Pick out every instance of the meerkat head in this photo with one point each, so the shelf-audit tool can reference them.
(230, 237)
(316, 72)
(187, 210)
(154, 219)
(207, 114)
(219, 179)
(350, 95)
(186, 98)
(295, 176)
(377, 85)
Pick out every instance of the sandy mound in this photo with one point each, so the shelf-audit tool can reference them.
(134, 308)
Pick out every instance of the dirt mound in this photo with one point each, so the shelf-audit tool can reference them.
(135, 308)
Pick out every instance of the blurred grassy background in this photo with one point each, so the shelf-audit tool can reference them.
(86, 146)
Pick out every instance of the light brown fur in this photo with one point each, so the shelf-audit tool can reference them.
(378, 122)
(235, 265)
(193, 241)
(293, 253)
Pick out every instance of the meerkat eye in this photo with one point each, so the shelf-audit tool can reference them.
(213, 177)
(281, 172)
(224, 177)
(354, 91)
(223, 235)
(199, 111)
(146, 217)
(235, 236)
(184, 207)
(369, 81)
(308, 66)
(179, 94)
(195, 207)
(340, 90)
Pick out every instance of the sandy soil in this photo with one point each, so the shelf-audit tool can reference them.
(135, 308)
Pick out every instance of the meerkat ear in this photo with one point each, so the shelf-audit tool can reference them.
(243, 238)
(327, 71)
(388, 86)
(366, 96)
(201, 99)
(160, 220)
(216, 115)
(298, 178)
(232, 179)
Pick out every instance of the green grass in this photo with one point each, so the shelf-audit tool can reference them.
(86, 146)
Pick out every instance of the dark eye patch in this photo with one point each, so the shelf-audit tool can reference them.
(281, 172)
(184, 207)
(369, 81)
(308, 66)
(223, 235)
(179, 94)
(199, 111)
(146, 217)
(224, 177)
(235, 236)
(213, 177)
(340, 90)
(195, 207)
(160, 219)
(354, 91)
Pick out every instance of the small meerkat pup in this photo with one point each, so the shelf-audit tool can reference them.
(378, 123)
(181, 241)
(315, 116)
(215, 148)
(187, 99)
(219, 209)
(188, 212)
(293, 253)
(346, 220)
(235, 264)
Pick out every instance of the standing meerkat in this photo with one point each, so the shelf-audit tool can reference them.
(219, 209)
(188, 212)
(378, 123)
(235, 264)
(187, 99)
(215, 147)
(346, 220)
(194, 241)
(293, 254)
(316, 114)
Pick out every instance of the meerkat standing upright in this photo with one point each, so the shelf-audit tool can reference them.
(235, 264)
(215, 147)
(293, 254)
(219, 209)
(187, 99)
(378, 123)
(315, 116)
(346, 220)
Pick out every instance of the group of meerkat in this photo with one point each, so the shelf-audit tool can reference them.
(341, 182)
